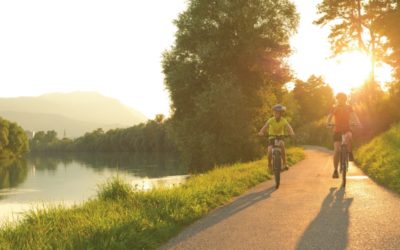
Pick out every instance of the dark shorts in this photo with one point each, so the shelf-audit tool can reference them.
(337, 136)
(270, 142)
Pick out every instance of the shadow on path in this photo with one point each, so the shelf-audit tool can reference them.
(329, 230)
(223, 213)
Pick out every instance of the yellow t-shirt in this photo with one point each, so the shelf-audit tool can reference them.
(275, 127)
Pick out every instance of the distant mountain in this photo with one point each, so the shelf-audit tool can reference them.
(76, 113)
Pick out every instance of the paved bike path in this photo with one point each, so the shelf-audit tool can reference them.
(308, 211)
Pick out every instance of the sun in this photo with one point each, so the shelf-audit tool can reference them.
(348, 71)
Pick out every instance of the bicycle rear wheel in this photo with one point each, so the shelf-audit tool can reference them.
(277, 164)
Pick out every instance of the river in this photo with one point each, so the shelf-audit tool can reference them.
(68, 179)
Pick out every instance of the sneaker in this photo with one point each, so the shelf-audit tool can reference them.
(335, 174)
(285, 168)
(351, 157)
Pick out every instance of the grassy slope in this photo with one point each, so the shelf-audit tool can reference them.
(380, 158)
(120, 218)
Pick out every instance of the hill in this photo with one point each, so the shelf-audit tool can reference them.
(76, 113)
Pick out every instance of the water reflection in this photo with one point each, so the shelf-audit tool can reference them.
(12, 173)
(142, 165)
(74, 178)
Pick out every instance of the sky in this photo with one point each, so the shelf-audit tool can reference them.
(115, 48)
(111, 47)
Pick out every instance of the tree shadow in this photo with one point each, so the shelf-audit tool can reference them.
(223, 213)
(329, 230)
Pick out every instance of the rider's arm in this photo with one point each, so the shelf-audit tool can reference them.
(354, 118)
(265, 127)
(290, 129)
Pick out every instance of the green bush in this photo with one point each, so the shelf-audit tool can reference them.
(114, 189)
(380, 158)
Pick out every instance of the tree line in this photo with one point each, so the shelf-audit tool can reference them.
(13, 140)
(143, 138)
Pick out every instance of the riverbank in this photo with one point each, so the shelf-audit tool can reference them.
(6, 158)
(122, 218)
(380, 158)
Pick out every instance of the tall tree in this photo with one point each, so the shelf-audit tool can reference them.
(353, 26)
(228, 57)
(315, 98)
(13, 140)
(388, 25)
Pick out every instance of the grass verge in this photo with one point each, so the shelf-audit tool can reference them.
(121, 218)
(380, 158)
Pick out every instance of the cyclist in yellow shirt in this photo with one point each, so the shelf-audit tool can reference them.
(277, 125)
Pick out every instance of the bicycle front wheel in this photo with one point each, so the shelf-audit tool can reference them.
(277, 164)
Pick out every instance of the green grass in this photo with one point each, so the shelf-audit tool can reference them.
(122, 218)
(380, 158)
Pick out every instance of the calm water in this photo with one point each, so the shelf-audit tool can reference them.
(71, 179)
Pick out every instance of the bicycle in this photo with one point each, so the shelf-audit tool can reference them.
(277, 157)
(343, 157)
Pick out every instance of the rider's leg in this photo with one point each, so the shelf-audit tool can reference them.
(348, 140)
(269, 152)
(283, 154)
(336, 154)
(337, 141)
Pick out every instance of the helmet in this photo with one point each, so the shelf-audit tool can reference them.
(341, 96)
(279, 108)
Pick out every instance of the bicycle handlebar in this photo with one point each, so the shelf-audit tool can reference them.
(331, 125)
(279, 136)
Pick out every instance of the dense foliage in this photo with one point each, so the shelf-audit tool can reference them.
(308, 94)
(13, 140)
(223, 73)
(308, 105)
(149, 137)
(380, 158)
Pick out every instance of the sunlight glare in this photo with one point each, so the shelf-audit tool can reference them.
(348, 71)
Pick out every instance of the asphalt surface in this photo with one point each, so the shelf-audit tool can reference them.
(308, 211)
